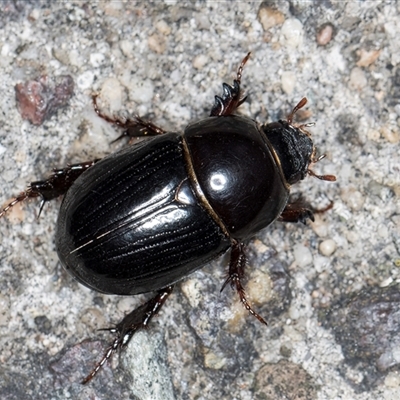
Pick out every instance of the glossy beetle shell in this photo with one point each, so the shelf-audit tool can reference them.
(238, 172)
(122, 228)
(149, 215)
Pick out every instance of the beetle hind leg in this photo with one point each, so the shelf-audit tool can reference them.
(139, 318)
(236, 273)
(56, 185)
(231, 98)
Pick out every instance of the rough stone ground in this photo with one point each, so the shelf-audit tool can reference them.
(329, 289)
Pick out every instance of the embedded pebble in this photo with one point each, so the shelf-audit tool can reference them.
(383, 231)
(352, 236)
(288, 81)
(157, 43)
(127, 48)
(140, 91)
(292, 33)
(202, 21)
(111, 92)
(373, 134)
(320, 226)
(327, 247)
(353, 198)
(259, 287)
(85, 80)
(325, 34)
(386, 282)
(213, 361)
(367, 57)
(193, 291)
(393, 379)
(358, 79)
(200, 61)
(163, 27)
(302, 255)
(97, 59)
(270, 17)
(391, 135)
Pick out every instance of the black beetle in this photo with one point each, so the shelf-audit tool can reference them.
(147, 216)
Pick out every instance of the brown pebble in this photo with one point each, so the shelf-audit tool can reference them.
(325, 34)
(270, 17)
(366, 58)
(39, 98)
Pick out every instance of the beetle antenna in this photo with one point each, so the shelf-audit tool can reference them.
(299, 105)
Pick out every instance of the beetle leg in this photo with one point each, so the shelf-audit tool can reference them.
(298, 212)
(236, 273)
(139, 318)
(231, 97)
(132, 127)
(56, 185)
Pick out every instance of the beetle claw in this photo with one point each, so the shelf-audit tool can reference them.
(21, 197)
(231, 97)
(236, 272)
(137, 319)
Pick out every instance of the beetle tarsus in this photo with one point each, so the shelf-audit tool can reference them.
(56, 185)
(299, 212)
(236, 273)
(135, 127)
(322, 210)
(139, 318)
(231, 97)
(21, 197)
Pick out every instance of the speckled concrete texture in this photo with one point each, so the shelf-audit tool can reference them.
(330, 289)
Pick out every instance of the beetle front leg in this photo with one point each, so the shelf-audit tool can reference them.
(139, 318)
(135, 127)
(237, 264)
(296, 212)
(299, 212)
(231, 98)
(56, 185)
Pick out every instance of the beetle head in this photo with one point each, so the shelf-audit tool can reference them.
(294, 148)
